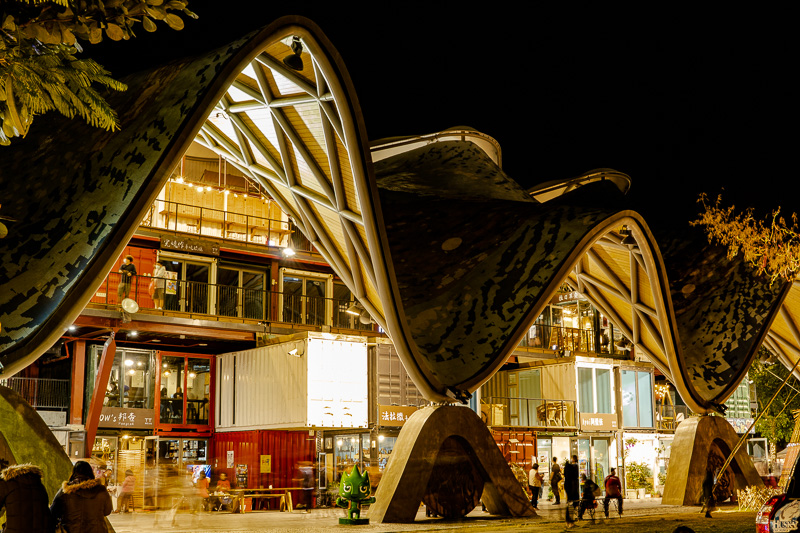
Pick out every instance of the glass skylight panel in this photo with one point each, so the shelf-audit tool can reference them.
(238, 96)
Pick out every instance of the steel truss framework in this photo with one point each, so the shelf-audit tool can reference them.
(300, 134)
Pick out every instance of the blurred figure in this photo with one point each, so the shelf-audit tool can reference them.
(159, 280)
(535, 484)
(82, 502)
(25, 500)
(127, 492)
(202, 490)
(305, 480)
(587, 496)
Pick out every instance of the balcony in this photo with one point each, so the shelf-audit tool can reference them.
(238, 227)
(529, 412)
(669, 416)
(558, 338)
(239, 304)
(41, 393)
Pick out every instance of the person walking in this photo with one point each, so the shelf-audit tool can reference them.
(24, 498)
(202, 489)
(82, 502)
(555, 478)
(127, 492)
(709, 503)
(571, 487)
(535, 480)
(127, 271)
(613, 488)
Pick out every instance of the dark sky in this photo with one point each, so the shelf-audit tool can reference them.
(682, 101)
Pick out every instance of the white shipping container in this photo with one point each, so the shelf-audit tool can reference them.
(305, 382)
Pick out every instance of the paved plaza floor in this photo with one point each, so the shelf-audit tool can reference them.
(640, 516)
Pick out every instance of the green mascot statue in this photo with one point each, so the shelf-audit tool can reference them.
(353, 492)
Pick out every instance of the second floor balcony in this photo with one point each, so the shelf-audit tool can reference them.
(41, 393)
(529, 412)
(240, 304)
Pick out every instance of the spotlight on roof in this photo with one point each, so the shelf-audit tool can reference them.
(354, 309)
(627, 238)
(288, 252)
(294, 61)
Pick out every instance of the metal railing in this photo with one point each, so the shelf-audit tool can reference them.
(41, 393)
(194, 297)
(669, 416)
(204, 221)
(568, 339)
(529, 412)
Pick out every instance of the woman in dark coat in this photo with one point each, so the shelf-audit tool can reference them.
(25, 500)
(83, 502)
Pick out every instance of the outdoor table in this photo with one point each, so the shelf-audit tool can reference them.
(283, 493)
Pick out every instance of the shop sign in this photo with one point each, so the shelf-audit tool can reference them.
(565, 297)
(183, 244)
(740, 425)
(598, 422)
(266, 464)
(122, 417)
(394, 415)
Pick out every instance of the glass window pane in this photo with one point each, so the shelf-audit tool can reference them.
(645, 400)
(628, 388)
(315, 302)
(172, 390)
(585, 390)
(292, 299)
(253, 294)
(227, 289)
(137, 380)
(341, 301)
(198, 383)
(603, 390)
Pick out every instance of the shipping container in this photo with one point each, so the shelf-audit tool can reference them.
(263, 458)
(307, 380)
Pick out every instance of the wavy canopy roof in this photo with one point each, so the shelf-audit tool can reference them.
(448, 254)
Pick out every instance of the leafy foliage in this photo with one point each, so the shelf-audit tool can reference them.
(772, 247)
(777, 423)
(38, 69)
(637, 476)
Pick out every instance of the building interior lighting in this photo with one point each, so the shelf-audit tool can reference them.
(295, 61)
(73, 327)
(128, 362)
(133, 334)
(288, 252)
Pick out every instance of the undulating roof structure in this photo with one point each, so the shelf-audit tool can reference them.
(448, 254)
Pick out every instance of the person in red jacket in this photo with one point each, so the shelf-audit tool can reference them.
(613, 490)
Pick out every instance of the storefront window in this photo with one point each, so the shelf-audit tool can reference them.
(198, 383)
(594, 390)
(172, 390)
(637, 398)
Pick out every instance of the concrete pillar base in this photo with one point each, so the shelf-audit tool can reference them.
(446, 442)
(699, 444)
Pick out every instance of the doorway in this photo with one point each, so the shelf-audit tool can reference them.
(305, 297)
(190, 291)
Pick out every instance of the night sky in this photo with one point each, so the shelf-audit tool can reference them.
(683, 101)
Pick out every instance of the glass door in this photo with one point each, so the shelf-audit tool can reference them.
(305, 298)
(189, 292)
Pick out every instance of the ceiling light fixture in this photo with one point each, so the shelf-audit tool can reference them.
(295, 61)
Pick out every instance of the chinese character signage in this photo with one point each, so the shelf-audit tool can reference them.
(565, 297)
(598, 422)
(394, 415)
(122, 417)
(176, 242)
